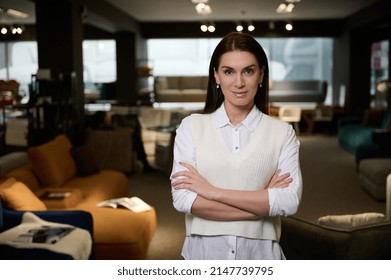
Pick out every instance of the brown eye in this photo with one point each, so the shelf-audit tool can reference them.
(249, 71)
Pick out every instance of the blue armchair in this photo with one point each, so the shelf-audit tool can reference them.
(366, 140)
(10, 219)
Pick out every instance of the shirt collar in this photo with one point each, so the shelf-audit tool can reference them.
(220, 118)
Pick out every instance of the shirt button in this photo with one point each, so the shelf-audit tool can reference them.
(236, 148)
(232, 252)
(236, 129)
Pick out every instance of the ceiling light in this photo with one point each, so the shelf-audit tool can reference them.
(14, 30)
(211, 28)
(281, 8)
(250, 27)
(239, 27)
(289, 26)
(19, 30)
(17, 14)
(204, 27)
(199, 1)
(285, 8)
(4, 30)
(203, 9)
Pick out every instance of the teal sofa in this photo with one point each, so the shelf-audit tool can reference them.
(366, 137)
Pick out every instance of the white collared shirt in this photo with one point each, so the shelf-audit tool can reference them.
(236, 138)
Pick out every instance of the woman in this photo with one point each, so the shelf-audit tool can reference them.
(235, 169)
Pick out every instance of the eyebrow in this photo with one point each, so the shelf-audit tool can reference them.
(228, 67)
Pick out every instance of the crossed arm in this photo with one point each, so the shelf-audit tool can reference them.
(224, 204)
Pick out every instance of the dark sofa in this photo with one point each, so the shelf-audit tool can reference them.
(303, 240)
(366, 137)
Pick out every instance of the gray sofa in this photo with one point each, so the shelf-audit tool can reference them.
(193, 89)
(298, 91)
(180, 88)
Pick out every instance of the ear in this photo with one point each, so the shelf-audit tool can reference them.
(261, 76)
(216, 76)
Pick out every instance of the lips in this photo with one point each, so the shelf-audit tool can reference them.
(240, 94)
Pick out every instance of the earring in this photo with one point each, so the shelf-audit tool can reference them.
(217, 86)
(260, 85)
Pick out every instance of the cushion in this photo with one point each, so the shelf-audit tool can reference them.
(7, 182)
(26, 175)
(190, 82)
(53, 162)
(85, 160)
(350, 221)
(161, 83)
(17, 196)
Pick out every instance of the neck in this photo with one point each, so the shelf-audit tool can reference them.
(237, 114)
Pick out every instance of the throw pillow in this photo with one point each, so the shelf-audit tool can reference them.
(350, 221)
(86, 163)
(53, 162)
(17, 196)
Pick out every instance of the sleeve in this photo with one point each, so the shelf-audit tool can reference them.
(184, 151)
(285, 202)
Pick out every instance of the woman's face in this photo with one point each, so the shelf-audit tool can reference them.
(239, 76)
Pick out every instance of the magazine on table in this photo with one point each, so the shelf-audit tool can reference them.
(54, 195)
(134, 204)
(44, 234)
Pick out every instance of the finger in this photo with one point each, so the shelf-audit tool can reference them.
(283, 184)
(181, 174)
(181, 181)
(188, 166)
(182, 187)
(281, 177)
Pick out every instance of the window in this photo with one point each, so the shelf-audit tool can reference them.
(99, 61)
(289, 59)
(18, 61)
(379, 72)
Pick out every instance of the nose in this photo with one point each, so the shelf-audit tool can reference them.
(239, 82)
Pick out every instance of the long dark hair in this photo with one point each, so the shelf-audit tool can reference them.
(237, 41)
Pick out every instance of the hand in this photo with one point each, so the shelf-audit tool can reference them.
(192, 180)
(279, 181)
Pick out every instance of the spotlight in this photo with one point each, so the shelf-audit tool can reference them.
(19, 30)
(239, 27)
(250, 27)
(200, 1)
(203, 9)
(204, 28)
(211, 28)
(4, 30)
(289, 26)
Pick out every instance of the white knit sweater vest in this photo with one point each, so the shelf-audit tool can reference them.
(250, 170)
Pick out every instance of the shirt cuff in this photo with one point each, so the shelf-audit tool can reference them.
(274, 208)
